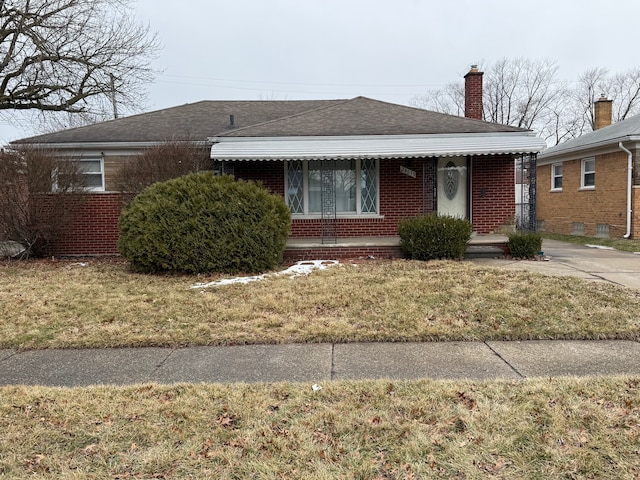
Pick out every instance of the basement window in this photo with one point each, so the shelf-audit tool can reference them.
(588, 177)
(602, 230)
(578, 229)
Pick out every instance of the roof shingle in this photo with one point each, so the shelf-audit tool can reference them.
(202, 120)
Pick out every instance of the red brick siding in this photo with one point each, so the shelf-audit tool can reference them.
(401, 196)
(93, 229)
(295, 255)
(269, 173)
(493, 192)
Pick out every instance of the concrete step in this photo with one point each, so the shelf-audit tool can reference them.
(484, 251)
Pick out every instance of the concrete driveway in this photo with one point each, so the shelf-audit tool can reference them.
(590, 263)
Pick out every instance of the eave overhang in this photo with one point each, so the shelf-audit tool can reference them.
(609, 145)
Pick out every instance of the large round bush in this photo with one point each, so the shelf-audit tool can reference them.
(204, 223)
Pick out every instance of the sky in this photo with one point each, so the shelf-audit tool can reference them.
(391, 50)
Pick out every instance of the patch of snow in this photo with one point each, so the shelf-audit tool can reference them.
(601, 247)
(304, 267)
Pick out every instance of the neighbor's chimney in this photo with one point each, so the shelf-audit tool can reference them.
(473, 93)
(602, 112)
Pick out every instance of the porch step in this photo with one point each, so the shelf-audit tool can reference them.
(484, 251)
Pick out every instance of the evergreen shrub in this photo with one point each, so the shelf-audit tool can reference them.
(204, 223)
(524, 245)
(434, 236)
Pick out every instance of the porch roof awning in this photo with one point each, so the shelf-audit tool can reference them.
(416, 146)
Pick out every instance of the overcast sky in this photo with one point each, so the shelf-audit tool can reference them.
(391, 50)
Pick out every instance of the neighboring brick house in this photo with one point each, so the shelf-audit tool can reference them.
(587, 186)
(350, 170)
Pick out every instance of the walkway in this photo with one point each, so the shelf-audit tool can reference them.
(316, 363)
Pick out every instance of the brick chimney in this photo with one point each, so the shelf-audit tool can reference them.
(473, 93)
(602, 112)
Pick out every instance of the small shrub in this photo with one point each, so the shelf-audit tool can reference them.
(433, 236)
(204, 223)
(524, 245)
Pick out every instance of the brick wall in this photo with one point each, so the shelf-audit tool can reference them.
(92, 228)
(606, 204)
(493, 193)
(401, 196)
(95, 227)
(328, 253)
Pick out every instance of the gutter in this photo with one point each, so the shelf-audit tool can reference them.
(629, 184)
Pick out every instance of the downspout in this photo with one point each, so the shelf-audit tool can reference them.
(629, 183)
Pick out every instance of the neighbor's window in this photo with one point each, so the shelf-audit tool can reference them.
(588, 173)
(556, 176)
(355, 183)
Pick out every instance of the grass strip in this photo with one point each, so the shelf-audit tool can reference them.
(553, 428)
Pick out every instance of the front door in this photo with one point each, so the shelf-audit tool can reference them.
(452, 186)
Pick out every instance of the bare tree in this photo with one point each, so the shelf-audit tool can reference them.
(160, 163)
(39, 192)
(72, 55)
(622, 88)
(590, 86)
(527, 94)
(518, 91)
(449, 99)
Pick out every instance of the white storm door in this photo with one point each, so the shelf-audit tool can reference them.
(452, 186)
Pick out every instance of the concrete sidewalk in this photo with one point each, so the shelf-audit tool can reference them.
(317, 363)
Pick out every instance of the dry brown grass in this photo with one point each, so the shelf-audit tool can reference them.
(61, 304)
(559, 428)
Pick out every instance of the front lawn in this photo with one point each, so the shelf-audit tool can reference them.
(67, 304)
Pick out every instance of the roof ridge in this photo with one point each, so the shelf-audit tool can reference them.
(286, 117)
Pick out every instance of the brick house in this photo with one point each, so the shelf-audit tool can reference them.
(589, 185)
(350, 170)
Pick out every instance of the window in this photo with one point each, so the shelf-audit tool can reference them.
(92, 171)
(84, 173)
(577, 228)
(355, 183)
(556, 176)
(588, 173)
(602, 230)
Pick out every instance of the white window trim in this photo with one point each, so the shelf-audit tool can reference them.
(101, 188)
(583, 172)
(554, 176)
(346, 215)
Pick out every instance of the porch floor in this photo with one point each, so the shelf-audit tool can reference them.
(476, 240)
(479, 245)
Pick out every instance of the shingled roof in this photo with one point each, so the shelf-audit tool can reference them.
(193, 121)
(627, 130)
(365, 116)
(206, 119)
